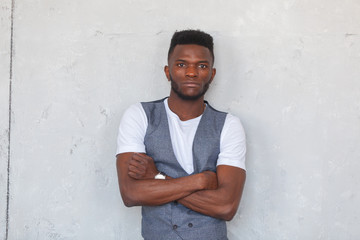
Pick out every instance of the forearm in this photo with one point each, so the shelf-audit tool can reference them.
(154, 192)
(222, 202)
(158, 192)
(212, 203)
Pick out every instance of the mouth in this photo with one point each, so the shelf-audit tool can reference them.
(191, 84)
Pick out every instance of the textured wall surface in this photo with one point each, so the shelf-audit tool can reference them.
(5, 36)
(289, 69)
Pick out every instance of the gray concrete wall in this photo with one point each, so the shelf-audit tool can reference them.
(5, 39)
(289, 69)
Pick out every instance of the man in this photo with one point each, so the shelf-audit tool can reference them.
(178, 158)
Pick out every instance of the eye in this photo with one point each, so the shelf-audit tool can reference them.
(203, 66)
(180, 65)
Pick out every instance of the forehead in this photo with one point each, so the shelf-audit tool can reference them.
(190, 51)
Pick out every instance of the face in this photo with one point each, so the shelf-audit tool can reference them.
(190, 71)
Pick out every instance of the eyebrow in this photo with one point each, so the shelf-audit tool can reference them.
(201, 61)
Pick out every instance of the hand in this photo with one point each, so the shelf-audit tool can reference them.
(211, 182)
(141, 166)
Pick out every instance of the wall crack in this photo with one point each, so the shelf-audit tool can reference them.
(10, 113)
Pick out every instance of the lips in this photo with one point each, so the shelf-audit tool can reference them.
(191, 84)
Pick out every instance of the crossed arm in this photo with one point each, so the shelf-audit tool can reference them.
(217, 195)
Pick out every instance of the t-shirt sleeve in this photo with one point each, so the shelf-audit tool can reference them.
(132, 130)
(232, 143)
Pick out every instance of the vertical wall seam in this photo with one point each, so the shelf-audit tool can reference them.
(10, 113)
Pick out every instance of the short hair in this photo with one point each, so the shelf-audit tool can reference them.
(190, 36)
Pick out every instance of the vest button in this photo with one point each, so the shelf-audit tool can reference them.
(175, 227)
(190, 225)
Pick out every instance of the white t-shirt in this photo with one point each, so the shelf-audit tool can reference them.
(134, 123)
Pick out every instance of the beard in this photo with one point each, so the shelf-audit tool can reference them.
(176, 88)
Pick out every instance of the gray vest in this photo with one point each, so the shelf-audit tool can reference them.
(172, 220)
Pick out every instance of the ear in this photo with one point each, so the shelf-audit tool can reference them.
(213, 73)
(167, 73)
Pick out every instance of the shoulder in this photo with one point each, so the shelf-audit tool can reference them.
(215, 116)
(233, 122)
(146, 105)
(215, 111)
(233, 129)
(134, 109)
(153, 108)
(134, 116)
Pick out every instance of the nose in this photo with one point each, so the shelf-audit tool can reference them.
(191, 71)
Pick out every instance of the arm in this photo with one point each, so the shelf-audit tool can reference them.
(149, 191)
(222, 202)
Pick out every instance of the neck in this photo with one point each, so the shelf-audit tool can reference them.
(186, 109)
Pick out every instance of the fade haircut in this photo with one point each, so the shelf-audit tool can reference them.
(192, 37)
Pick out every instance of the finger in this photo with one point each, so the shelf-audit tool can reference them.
(139, 158)
(142, 156)
(137, 164)
(136, 170)
(133, 175)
